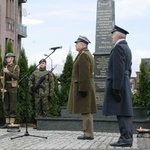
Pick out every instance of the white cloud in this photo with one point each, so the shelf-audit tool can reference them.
(28, 21)
(61, 10)
(129, 9)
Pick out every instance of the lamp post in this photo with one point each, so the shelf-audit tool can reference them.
(51, 61)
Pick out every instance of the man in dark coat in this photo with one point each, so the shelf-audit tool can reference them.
(82, 98)
(118, 98)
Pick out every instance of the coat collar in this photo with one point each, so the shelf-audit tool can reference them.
(80, 52)
(12, 64)
(119, 42)
(83, 50)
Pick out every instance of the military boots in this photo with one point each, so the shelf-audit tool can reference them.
(7, 123)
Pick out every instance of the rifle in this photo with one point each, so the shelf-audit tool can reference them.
(38, 85)
(3, 85)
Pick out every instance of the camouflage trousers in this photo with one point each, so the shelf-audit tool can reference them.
(41, 106)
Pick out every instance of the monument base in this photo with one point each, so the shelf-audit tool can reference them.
(73, 122)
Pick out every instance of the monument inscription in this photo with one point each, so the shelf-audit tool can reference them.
(104, 24)
(101, 62)
(100, 85)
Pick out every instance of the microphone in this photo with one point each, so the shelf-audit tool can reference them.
(54, 48)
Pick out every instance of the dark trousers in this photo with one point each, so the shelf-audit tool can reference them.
(126, 129)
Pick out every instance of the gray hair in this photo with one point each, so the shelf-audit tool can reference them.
(121, 35)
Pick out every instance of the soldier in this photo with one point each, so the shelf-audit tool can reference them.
(9, 89)
(42, 84)
(82, 98)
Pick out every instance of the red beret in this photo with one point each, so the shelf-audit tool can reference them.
(42, 60)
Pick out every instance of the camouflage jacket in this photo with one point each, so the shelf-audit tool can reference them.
(46, 87)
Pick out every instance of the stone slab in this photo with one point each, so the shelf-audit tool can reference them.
(75, 124)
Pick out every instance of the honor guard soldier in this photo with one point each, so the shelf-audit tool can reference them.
(42, 84)
(9, 86)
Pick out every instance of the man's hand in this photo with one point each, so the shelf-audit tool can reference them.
(5, 70)
(3, 90)
(1, 77)
(117, 95)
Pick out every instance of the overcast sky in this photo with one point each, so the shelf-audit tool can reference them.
(53, 23)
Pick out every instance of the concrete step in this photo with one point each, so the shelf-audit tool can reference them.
(73, 122)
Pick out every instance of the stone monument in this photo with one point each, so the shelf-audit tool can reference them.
(104, 25)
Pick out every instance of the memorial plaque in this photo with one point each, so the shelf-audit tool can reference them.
(101, 63)
(99, 98)
(104, 25)
(103, 45)
(100, 85)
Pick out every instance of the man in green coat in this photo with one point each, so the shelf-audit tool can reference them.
(82, 98)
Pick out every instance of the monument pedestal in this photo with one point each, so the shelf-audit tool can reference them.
(73, 122)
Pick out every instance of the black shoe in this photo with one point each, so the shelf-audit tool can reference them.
(121, 144)
(35, 127)
(82, 137)
(6, 125)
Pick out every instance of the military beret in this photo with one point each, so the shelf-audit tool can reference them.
(42, 60)
(116, 28)
(10, 55)
(83, 39)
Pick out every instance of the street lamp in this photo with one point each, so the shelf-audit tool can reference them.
(51, 61)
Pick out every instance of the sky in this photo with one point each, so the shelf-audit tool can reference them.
(52, 23)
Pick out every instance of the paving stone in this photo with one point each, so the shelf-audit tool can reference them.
(66, 140)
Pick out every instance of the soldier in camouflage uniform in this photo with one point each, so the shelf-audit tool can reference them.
(10, 76)
(44, 91)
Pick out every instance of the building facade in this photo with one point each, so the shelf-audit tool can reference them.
(147, 62)
(11, 28)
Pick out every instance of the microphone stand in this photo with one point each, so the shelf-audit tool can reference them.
(26, 78)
